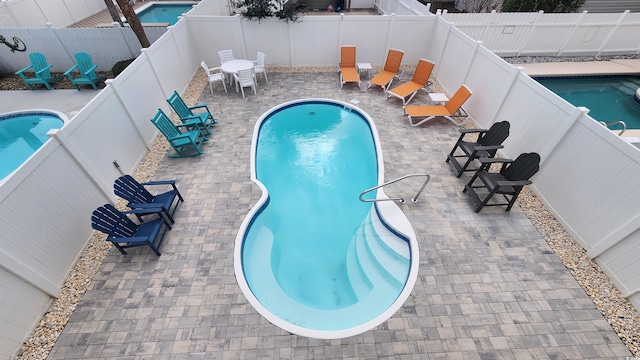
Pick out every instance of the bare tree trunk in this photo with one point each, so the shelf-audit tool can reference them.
(113, 11)
(134, 22)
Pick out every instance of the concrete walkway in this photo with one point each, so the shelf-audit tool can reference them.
(489, 287)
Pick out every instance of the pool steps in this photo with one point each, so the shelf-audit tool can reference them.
(373, 262)
(383, 294)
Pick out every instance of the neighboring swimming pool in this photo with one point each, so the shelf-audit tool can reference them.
(22, 133)
(163, 12)
(310, 256)
(608, 98)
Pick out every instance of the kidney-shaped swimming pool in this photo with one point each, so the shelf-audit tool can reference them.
(310, 256)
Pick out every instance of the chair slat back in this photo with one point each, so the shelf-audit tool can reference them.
(129, 189)
(245, 76)
(85, 65)
(423, 71)
(39, 63)
(164, 124)
(459, 98)
(394, 59)
(260, 58)
(179, 106)
(522, 168)
(225, 55)
(348, 56)
(497, 133)
(110, 221)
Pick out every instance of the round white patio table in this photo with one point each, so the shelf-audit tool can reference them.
(232, 67)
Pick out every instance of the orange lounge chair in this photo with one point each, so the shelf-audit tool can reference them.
(453, 108)
(348, 71)
(391, 70)
(420, 80)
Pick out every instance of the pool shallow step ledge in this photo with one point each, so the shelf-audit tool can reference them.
(373, 263)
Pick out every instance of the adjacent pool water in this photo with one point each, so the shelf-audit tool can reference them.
(22, 133)
(163, 12)
(310, 256)
(608, 98)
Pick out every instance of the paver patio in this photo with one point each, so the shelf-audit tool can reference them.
(489, 287)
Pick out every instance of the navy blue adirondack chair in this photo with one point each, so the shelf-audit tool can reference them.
(124, 233)
(139, 198)
(186, 113)
(185, 143)
(41, 70)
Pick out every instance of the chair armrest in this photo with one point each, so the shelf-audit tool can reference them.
(486, 160)
(488, 147)
(513, 182)
(90, 70)
(137, 239)
(66, 73)
(197, 106)
(45, 69)
(160, 182)
(148, 208)
(469, 131)
(19, 72)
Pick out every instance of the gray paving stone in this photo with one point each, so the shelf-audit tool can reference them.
(489, 287)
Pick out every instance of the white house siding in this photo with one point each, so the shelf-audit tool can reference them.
(611, 6)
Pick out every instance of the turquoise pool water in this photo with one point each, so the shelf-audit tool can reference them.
(22, 134)
(608, 98)
(312, 254)
(163, 12)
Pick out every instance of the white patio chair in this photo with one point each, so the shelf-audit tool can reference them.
(214, 75)
(259, 67)
(225, 55)
(246, 78)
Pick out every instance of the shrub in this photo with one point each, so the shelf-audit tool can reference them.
(120, 66)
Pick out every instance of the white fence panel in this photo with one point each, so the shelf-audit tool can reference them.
(513, 34)
(492, 78)
(455, 59)
(269, 34)
(36, 13)
(167, 63)
(203, 32)
(411, 34)
(105, 45)
(315, 42)
(22, 307)
(621, 264)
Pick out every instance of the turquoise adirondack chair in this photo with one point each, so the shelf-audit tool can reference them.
(86, 72)
(185, 143)
(186, 112)
(41, 70)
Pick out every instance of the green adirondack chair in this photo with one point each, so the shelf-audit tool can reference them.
(86, 72)
(41, 70)
(185, 143)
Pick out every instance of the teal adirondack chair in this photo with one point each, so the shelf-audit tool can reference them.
(185, 143)
(186, 112)
(42, 72)
(86, 72)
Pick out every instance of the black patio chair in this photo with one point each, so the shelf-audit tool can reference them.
(513, 176)
(486, 145)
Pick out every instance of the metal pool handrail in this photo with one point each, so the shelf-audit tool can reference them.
(617, 122)
(402, 200)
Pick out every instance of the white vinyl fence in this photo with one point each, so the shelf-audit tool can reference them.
(540, 34)
(36, 13)
(106, 46)
(584, 177)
